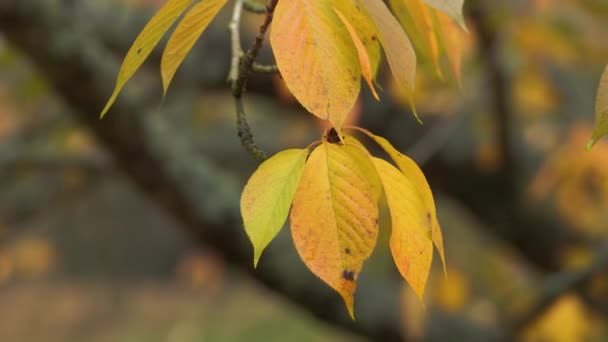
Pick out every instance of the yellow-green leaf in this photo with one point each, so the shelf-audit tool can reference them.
(364, 60)
(317, 58)
(453, 8)
(267, 197)
(397, 46)
(143, 45)
(334, 219)
(185, 35)
(601, 111)
(411, 170)
(411, 243)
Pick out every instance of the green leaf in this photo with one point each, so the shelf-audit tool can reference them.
(143, 45)
(267, 197)
(601, 111)
(185, 35)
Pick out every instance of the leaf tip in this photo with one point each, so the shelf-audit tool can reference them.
(590, 144)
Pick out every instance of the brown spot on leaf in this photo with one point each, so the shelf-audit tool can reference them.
(348, 275)
(346, 250)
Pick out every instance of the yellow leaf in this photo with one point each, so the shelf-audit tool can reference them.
(397, 46)
(409, 168)
(453, 8)
(267, 197)
(411, 243)
(143, 45)
(365, 31)
(316, 58)
(364, 60)
(334, 219)
(601, 111)
(361, 156)
(185, 35)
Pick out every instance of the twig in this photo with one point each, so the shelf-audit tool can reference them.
(241, 67)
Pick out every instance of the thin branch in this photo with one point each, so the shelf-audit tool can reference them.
(241, 68)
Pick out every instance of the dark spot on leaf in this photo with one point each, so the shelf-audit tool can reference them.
(346, 250)
(348, 275)
(138, 51)
(332, 137)
(374, 38)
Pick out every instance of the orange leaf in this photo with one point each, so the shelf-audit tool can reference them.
(316, 58)
(334, 219)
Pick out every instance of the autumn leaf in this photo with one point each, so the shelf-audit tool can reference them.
(397, 46)
(317, 58)
(453, 8)
(267, 197)
(410, 242)
(143, 45)
(409, 168)
(432, 33)
(361, 155)
(363, 32)
(185, 35)
(334, 219)
(415, 18)
(601, 111)
(364, 59)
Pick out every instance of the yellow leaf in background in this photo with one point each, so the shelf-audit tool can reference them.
(185, 35)
(451, 42)
(364, 60)
(267, 197)
(409, 168)
(453, 8)
(567, 320)
(397, 46)
(334, 219)
(317, 58)
(143, 45)
(411, 243)
(601, 111)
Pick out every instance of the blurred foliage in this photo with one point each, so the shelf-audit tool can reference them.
(85, 257)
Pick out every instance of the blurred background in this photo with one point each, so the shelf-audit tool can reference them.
(128, 229)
